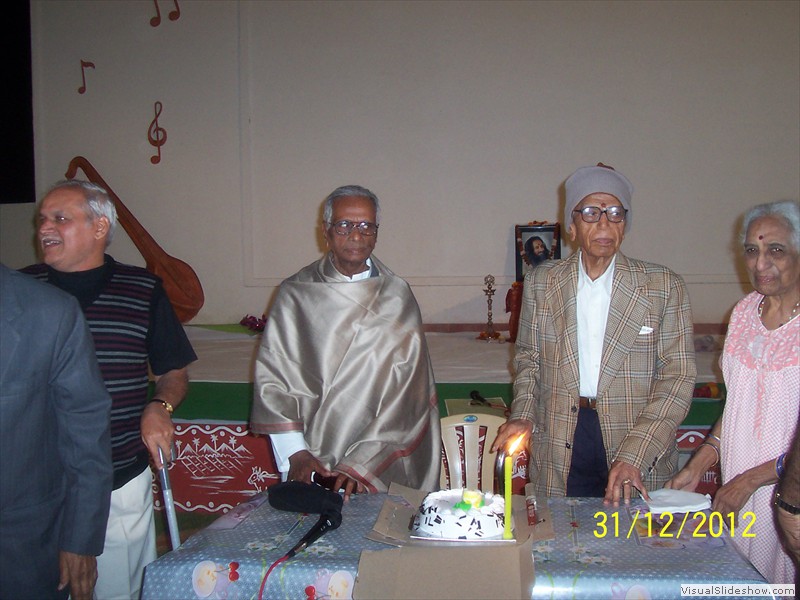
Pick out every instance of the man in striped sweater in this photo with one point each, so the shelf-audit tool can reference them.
(135, 329)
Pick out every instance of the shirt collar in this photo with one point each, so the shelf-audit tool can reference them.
(605, 280)
(364, 274)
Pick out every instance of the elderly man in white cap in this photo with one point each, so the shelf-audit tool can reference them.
(605, 360)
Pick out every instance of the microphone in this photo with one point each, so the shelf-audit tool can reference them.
(327, 522)
(478, 399)
(297, 496)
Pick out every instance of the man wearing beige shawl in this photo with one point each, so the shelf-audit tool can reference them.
(343, 381)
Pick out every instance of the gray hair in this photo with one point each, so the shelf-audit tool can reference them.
(350, 190)
(98, 202)
(787, 210)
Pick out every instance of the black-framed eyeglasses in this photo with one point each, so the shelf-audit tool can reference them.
(592, 214)
(346, 227)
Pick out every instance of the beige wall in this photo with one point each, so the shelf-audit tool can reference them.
(465, 119)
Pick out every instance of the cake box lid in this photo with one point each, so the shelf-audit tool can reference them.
(415, 568)
(459, 571)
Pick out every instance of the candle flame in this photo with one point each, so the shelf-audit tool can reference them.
(513, 447)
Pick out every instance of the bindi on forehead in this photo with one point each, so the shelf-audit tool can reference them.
(761, 237)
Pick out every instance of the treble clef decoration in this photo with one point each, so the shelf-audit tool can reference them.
(157, 136)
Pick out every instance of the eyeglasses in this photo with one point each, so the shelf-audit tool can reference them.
(346, 227)
(592, 214)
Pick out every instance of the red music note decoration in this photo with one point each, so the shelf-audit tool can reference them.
(157, 136)
(173, 15)
(84, 65)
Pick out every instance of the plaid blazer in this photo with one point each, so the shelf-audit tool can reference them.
(647, 369)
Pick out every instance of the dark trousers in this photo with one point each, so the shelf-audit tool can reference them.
(588, 474)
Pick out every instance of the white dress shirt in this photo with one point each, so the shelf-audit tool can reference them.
(593, 301)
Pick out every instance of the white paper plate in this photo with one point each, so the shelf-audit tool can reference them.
(677, 501)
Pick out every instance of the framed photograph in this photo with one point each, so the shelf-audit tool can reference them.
(535, 243)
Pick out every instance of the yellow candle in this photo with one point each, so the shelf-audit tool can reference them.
(507, 466)
(507, 479)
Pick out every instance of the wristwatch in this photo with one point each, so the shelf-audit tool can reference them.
(781, 503)
(167, 406)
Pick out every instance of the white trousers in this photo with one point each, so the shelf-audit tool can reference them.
(130, 541)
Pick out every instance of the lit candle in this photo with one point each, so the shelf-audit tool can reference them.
(507, 466)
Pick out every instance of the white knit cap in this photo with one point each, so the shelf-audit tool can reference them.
(597, 180)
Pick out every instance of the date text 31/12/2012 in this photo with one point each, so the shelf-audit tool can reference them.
(700, 524)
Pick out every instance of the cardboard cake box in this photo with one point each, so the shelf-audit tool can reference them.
(437, 569)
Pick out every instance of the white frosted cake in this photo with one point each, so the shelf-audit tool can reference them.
(460, 515)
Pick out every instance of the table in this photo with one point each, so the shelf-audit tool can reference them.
(230, 563)
(583, 563)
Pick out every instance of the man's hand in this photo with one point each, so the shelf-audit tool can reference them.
(156, 425)
(157, 431)
(511, 430)
(622, 479)
(302, 464)
(351, 486)
(79, 573)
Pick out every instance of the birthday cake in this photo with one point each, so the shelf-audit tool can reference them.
(460, 515)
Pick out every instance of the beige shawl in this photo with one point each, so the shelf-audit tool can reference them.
(347, 364)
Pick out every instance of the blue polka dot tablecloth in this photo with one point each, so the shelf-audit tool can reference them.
(229, 558)
(598, 552)
(623, 553)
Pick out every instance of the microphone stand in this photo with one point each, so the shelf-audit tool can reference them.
(306, 498)
(327, 521)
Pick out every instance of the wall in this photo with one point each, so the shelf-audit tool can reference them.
(465, 118)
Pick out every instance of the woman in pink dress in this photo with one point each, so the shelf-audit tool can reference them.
(761, 367)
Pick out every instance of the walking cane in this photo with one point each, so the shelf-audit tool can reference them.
(169, 503)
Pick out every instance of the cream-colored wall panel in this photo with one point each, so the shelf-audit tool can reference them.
(464, 117)
(190, 202)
